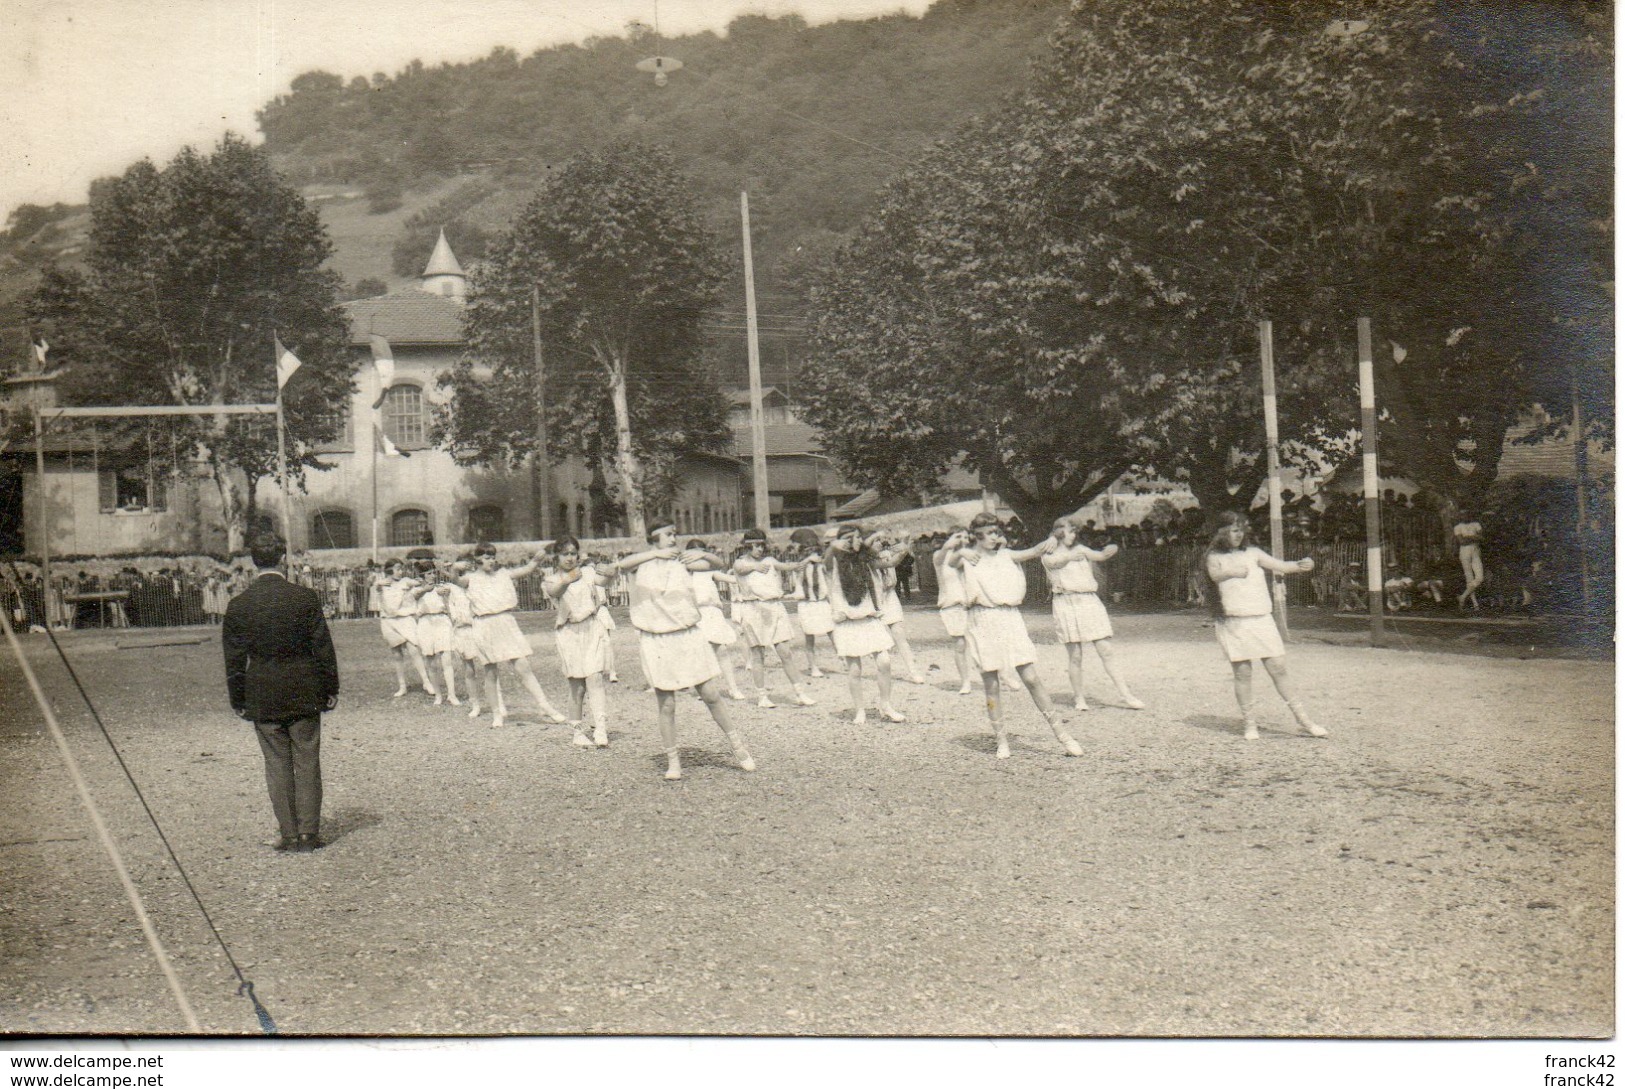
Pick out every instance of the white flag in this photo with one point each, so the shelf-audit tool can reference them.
(286, 363)
(385, 447)
(383, 357)
(40, 348)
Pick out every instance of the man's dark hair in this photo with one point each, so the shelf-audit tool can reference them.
(266, 550)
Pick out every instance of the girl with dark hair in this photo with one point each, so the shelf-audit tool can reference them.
(582, 638)
(397, 620)
(1244, 615)
(888, 555)
(813, 589)
(856, 593)
(493, 598)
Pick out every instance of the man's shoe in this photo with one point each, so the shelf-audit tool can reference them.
(285, 843)
(309, 842)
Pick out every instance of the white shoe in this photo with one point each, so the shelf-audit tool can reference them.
(1250, 731)
(892, 714)
(764, 702)
(916, 679)
(600, 736)
(498, 720)
(439, 699)
(1133, 704)
(817, 673)
(804, 700)
(399, 692)
(860, 717)
(474, 711)
(965, 690)
(580, 740)
(736, 694)
(1081, 705)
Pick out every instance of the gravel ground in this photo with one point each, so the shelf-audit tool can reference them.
(1443, 866)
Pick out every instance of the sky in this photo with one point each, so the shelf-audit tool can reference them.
(91, 86)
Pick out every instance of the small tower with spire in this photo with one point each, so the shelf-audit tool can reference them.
(443, 275)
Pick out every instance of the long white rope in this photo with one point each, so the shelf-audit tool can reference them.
(102, 834)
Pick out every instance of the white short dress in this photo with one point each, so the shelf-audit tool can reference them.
(1080, 617)
(814, 613)
(713, 625)
(496, 630)
(761, 615)
(397, 621)
(859, 630)
(672, 649)
(996, 634)
(1247, 630)
(583, 641)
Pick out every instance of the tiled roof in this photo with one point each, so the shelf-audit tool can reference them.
(407, 317)
(1552, 458)
(783, 440)
(857, 506)
(740, 398)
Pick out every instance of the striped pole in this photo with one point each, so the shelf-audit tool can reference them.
(1373, 511)
(1272, 454)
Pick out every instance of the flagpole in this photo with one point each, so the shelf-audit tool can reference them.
(374, 475)
(282, 469)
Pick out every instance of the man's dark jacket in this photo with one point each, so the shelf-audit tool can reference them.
(280, 663)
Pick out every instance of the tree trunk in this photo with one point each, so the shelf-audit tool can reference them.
(626, 462)
(231, 508)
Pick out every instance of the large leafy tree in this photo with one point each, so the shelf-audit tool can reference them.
(191, 271)
(1076, 281)
(620, 270)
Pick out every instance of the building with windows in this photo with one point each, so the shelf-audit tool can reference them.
(386, 482)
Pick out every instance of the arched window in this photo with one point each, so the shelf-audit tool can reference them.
(487, 523)
(332, 529)
(403, 416)
(410, 527)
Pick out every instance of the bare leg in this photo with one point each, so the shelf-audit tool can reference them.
(995, 714)
(1035, 687)
(1276, 667)
(423, 670)
(883, 682)
(493, 685)
(905, 653)
(448, 669)
(1074, 673)
(725, 659)
(473, 682)
(758, 676)
(1108, 662)
(812, 656)
(527, 677)
(399, 654)
(1242, 675)
(854, 688)
(609, 651)
(578, 693)
(724, 720)
(797, 680)
(962, 663)
(598, 707)
(666, 706)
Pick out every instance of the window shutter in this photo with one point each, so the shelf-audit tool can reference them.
(158, 492)
(107, 490)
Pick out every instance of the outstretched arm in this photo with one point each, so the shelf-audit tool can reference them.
(1042, 548)
(638, 559)
(1285, 567)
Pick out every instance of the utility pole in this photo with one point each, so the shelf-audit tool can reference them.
(542, 467)
(758, 432)
(1272, 454)
(1373, 510)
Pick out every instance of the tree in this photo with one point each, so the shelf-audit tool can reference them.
(190, 271)
(1092, 261)
(622, 272)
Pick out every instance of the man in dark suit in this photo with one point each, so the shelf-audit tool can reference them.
(281, 674)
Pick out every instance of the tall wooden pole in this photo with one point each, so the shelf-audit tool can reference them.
(543, 466)
(282, 481)
(44, 512)
(758, 432)
(1581, 536)
(1373, 510)
(373, 425)
(1272, 455)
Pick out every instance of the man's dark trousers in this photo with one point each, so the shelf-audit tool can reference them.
(293, 773)
(281, 674)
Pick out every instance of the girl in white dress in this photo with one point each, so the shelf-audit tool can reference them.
(493, 597)
(1080, 617)
(856, 592)
(1244, 616)
(463, 643)
(1468, 534)
(995, 586)
(812, 593)
(434, 628)
(888, 555)
(673, 650)
(719, 632)
(951, 602)
(398, 623)
(762, 616)
(583, 640)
